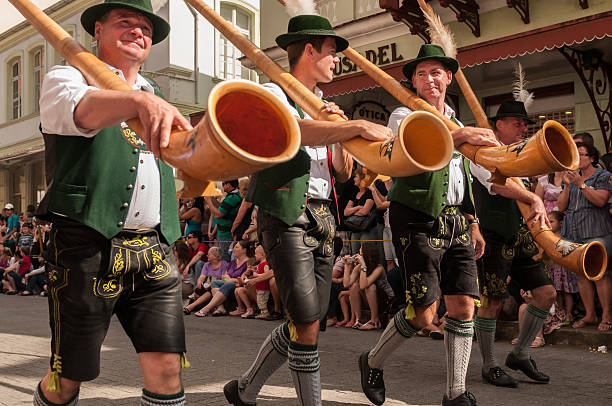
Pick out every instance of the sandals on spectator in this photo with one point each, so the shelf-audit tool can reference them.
(583, 323)
(370, 325)
(201, 314)
(605, 326)
(538, 342)
(11, 292)
(237, 312)
(341, 323)
(219, 313)
(357, 324)
(247, 313)
(349, 324)
(25, 293)
(186, 311)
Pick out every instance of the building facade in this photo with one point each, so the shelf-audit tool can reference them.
(564, 46)
(192, 46)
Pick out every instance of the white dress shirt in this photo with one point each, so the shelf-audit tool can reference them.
(456, 182)
(61, 91)
(319, 185)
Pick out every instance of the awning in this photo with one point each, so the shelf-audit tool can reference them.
(576, 31)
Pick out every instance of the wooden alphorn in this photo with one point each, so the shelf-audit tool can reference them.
(226, 145)
(409, 155)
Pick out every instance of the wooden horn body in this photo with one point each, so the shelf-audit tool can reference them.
(374, 155)
(546, 152)
(245, 129)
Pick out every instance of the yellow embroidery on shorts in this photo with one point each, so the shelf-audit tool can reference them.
(136, 242)
(118, 264)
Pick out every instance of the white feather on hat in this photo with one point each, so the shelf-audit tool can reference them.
(300, 7)
(519, 91)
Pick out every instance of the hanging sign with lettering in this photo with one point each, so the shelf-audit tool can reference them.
(371, 111)
(382, 55)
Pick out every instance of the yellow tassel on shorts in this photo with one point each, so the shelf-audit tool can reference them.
(184, 362)
(53, 385)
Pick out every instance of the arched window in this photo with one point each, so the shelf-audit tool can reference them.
(229, 65)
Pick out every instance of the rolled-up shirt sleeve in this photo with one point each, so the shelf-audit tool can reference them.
(61, 91)
(395, 119)
(482, 175)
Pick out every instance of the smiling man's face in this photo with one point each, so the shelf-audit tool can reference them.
(430, 79)
(124, 33)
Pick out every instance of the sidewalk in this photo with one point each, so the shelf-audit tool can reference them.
(219, 349)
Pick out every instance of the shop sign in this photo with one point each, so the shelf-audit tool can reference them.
(382, 55)
(371, 111)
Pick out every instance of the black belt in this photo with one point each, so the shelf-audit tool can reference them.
(318, 200)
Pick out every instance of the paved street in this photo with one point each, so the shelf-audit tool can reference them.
(220, 348)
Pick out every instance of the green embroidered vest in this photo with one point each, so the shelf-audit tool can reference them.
(496, 213)
(91, 179)
(426, 192)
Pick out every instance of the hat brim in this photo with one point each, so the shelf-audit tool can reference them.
(161, 28)
(450, 63)
(284, 40)
(517, 115)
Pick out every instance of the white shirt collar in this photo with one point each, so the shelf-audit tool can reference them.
(448, 111)
(141, 82)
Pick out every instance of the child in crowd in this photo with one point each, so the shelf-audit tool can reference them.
(262, 288)
(26, 239)
(12, 281)
(565, 281)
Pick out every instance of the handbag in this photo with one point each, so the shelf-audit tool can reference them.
(360, 223)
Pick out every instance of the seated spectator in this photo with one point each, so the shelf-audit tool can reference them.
(258, 288)
(181, 253)
(12, 227)
(224, 288)
(6, 259)
(336, 288)
(212, 270)
(246, 296)
(12, 281)
(362, 283)
(36, 280)
(197, 252)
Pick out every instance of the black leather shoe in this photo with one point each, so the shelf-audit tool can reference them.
(231, 392)
(372, 382)
(527, 366)
(498, 377)
(466, 399)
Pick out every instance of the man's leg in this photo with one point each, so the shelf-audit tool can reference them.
(68, 394)
(304, 363)
(162, 379)
(458, 333)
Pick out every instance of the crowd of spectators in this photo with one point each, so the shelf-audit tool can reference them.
(225, 271)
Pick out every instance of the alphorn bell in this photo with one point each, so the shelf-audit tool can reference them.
(589, 259)
(245, 129)
(405, 156)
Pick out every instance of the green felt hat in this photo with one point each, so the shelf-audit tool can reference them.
(161, 28)
(305, 26)
(512, 108)
(430, 52)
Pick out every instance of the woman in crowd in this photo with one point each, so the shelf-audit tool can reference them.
(212, 270)
(13, 275)
(585, 196)
(224, 288)
(360, 276)
(181, 253)
(336, 288)
(36, 280)
(192, 215)
(361, 205)
(384, 228)
(246, 297)
(549, 189)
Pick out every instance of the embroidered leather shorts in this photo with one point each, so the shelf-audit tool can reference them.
(433, 253)
(514, 258)
(133, 275)
(301, 256)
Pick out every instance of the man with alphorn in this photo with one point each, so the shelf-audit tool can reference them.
(294, 221)
(510, 248)
(114, 215)
(436, 239)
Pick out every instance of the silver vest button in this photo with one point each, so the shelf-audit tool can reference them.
(125, 205)
(120, 224)
(130, 187)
